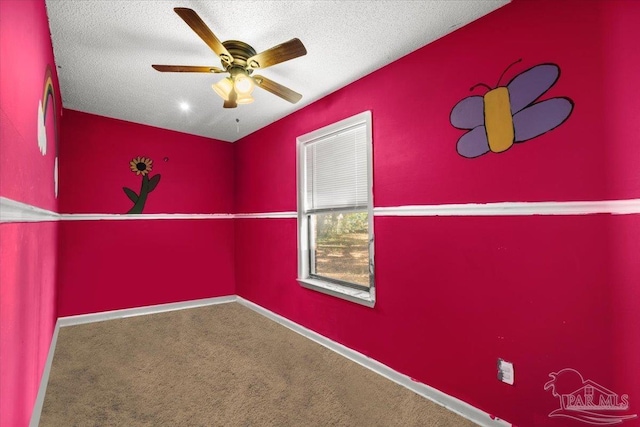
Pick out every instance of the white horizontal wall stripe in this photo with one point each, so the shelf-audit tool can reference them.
(268, 215)
(14, 211)
(124, 217)
(615, 207)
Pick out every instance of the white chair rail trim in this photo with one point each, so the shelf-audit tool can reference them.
(15, 211)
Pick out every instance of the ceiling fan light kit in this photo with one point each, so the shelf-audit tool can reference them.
(244, 98)
(243, 84)
(239, 60)
(223, 88)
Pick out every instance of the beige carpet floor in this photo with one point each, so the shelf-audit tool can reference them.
(221, 365)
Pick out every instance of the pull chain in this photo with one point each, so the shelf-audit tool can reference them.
(238, 125)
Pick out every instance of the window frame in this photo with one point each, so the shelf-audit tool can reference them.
(305, 278)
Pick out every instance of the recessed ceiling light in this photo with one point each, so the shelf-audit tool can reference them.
(184, 106)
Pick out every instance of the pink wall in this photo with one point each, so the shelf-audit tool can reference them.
(544, 292)
(27, 314)
(108, 265)
(27, 251)
(197, 175)
(26, 51)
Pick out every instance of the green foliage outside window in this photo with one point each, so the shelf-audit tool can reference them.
(333, 224)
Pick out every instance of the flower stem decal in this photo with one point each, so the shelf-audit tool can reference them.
(141, 166)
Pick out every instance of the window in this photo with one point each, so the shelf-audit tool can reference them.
(335, 210)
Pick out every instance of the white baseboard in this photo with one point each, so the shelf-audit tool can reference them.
(141, 311)
(100, 317)
(451, 403)
(37, 407)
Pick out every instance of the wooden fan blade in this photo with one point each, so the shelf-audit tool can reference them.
(277, 54)
(193, 20)
(231, 103)
(187, 69)
(277, 89)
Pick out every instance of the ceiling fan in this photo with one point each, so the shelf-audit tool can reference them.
(239, 60)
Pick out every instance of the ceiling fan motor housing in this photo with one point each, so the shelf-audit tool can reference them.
(240, 51)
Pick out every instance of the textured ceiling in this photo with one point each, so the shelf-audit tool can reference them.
(104, 50)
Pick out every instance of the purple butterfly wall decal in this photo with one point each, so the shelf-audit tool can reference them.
(509, 114)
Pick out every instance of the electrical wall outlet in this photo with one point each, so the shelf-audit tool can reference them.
(505, 372)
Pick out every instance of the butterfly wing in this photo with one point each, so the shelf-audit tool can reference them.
(473, 143)
(468, 113)
(541, 117)
(527, 86)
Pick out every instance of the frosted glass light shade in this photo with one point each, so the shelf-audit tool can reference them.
(223, 88)
(244, 98)
(243, 84)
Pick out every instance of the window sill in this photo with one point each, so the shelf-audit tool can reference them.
(366, 298)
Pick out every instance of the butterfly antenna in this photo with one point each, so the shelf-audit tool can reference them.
(507, 69)
(479, 84)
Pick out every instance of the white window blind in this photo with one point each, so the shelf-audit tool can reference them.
(336, 170)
